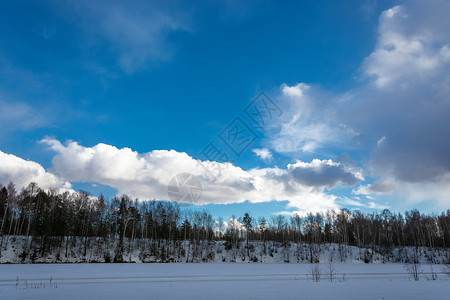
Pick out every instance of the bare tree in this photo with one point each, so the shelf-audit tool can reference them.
(433, 274)
(331, 271)
(413, 266)
(315, 272)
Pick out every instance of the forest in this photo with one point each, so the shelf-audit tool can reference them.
(40, 224)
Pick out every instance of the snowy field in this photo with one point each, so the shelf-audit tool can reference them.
(216, 281)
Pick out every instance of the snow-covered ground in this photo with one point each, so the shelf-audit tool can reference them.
(216, 281)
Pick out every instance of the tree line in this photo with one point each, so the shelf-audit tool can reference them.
(49, 220)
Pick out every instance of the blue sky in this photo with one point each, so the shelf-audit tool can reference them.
(90, 93)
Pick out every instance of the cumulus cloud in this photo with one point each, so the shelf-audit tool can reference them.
(22, 172)
(234, 224)
(263, 153)
(406, 51)
(147, 175)
(398, 114)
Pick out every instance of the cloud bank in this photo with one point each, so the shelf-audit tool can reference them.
(147, 175)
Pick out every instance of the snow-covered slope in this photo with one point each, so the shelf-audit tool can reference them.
(77, 250)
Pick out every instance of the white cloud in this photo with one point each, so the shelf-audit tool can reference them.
(234, 224)
(406, 52)
(358, 203)
(263, 153)
(436, 192)
(351, 202)
(17, 115)
(135, 31)
(381, 140)
(147, 175)
(304, 126)
(426, 192)
(294, 91)
(381, 186)
(22, 172)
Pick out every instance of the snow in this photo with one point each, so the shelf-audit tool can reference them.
(216, 281)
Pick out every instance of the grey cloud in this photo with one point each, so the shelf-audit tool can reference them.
(382, 186)
(345, 159)
(324, 173)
